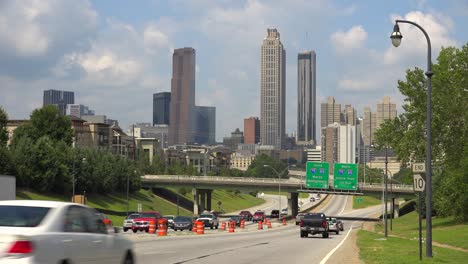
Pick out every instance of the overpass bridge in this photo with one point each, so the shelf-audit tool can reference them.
(202, 187)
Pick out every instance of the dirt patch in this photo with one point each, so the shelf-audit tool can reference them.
(348, 252)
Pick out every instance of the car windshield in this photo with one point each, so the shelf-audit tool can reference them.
(148, 215)
(182, 219)
(206, 216)
(133, 216)
(22, 216)
(169, 217)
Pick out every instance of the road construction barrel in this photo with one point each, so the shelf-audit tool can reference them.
(194, 226)
(284, 221)
(268, 224)
(152, 227)
(232, 226)
(200, 228)
(260, 225)
(223, 226)
(242, 224)
(162, 227)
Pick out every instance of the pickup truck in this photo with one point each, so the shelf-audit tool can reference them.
(209, 219)
(314, 224)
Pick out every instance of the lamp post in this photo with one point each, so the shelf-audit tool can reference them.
(74, 180)
(279, 184)
(386, 191)
(396, 40)
(128, 188)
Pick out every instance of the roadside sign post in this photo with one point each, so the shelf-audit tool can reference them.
(419, 186)
(317, 175)
(345, 176)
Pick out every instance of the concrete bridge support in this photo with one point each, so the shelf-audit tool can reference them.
(396, 207)
(201, 200)
(293, 203)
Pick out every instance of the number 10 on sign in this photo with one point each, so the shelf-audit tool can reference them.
(419, 183)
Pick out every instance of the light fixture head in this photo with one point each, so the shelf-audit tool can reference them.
(396, 36)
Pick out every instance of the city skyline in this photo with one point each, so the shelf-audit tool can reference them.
(114, 61)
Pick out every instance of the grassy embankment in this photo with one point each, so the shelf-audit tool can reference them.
(117, 202)
(365, 201)
(402, 244)
(301, 195)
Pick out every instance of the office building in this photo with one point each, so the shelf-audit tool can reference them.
(59, 98)
(237, 138)
(182, 110)
(349, 116)
(306, 97)
(272, 90)
(205, 125)
(251, 130)
(161, 108)
(338, 144)
(79, 110)
(314, 154)
(369, 125)
(330, 112)
(386, 110)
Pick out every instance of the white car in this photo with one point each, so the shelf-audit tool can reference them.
(128, 222)
(57, 232)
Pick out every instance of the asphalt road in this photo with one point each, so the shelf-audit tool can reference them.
(280, 244)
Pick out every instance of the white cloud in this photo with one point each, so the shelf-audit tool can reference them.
(357, 85)
(155, 39)
(413, 47)
(353, 39)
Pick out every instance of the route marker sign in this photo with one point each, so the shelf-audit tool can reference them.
(419, 183)
(345, 176)
(359, 200)
(419, 167)
(317, 175)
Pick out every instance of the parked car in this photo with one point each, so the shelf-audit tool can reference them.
(312, 199)
(274, 214)
(58, 232)
(237, 219)
(340, 225)
(104, 219)
(142, 222)
(170, 220)
(284, 211)
(128, 222)
(258, 216)
(332, 226)
(299, 217)
(210, 220)
(246, 215)
(182, 222)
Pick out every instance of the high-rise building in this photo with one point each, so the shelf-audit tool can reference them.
(386, 110)
(329, 140)
(79, 110)
(349, 116)
(237, 137)
(306, 100)
(182, 121)
(59, 98)
(272, 90)
(339, 144)
(251, 130)
(161, 108)
(369, 125)
(330, 112)
(205, 125)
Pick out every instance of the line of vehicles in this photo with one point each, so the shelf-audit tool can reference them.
(318, 223)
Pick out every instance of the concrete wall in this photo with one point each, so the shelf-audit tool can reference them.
(7, 187)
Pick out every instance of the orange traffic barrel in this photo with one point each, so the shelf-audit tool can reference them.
(162, 227)
(152, 227)
(269, 224)
(242, 224)
(260, 225)
(223, 226)
(284, 221)
(194, 226)
(232, 226)
(200, 227)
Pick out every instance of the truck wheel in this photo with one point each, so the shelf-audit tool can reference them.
(325, 235)
(135, 230)
(217, 226)
(125, 229)
(337, 232)
(304, 234)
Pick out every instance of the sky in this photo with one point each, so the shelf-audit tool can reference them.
(115, 54)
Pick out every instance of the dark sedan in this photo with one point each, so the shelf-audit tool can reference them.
(274, 214)
(237, 219)
(246, 215)
(182, 223)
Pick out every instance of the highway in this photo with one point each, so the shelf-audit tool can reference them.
(281, 244)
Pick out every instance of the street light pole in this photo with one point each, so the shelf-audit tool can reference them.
(386, 192)
(279, 184)
(396, 40)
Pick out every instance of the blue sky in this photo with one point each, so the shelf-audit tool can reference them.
(116, 54)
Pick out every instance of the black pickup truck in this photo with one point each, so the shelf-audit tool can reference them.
(314, 224)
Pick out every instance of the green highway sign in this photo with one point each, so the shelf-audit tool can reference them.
(317, 175)
(345, 176)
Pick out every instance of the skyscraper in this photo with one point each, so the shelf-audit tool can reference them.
(272, 90)
(59, 98)
(161, 108)
(369, 126)
(386, 110)
(306, 100)
(251, 130)
(330, 112)
(182, 121)
(205, 125)
(349, 115)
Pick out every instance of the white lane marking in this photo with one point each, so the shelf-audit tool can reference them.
(324, 260)
(346, 201)
(158, 252)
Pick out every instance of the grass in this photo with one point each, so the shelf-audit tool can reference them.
(374, 249)
(365, 201)
(301, 195)
(444, 230)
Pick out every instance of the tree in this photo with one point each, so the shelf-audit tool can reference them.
(406, 135)
(46, 121)
(259, 170)
(3, 125)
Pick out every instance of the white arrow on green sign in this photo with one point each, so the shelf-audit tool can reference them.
(317, 175)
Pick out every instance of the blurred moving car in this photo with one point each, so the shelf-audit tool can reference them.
(170, 220)
(299, 217)
(340, 225)
(246, 215)
(258, 216)
(237, 219)
(58, 232)
(104, 219)
(142, 222)
(284, 211)
(274, 214)
(332, 227)
(182, 222)
(128, 222)
(312, 199)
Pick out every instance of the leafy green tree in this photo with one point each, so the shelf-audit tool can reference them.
(259, 169)
(3, 125)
